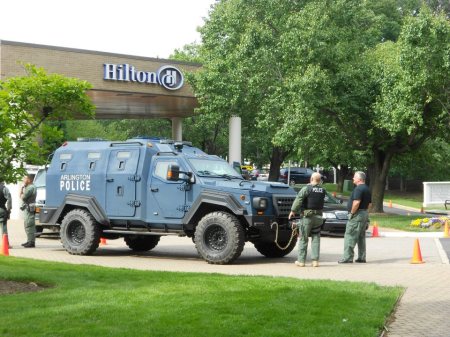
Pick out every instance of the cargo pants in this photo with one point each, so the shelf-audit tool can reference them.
(309, 226)
(355, 234)
(30, 225)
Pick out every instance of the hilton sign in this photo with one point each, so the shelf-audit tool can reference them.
(168, 77)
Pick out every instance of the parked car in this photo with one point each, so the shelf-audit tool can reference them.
(263, 175)
(298, 175)
(335, 216)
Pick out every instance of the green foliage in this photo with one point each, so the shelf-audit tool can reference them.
(117, 129)
(93, 301)
(25, 103)
(189, 53)
(428, 163)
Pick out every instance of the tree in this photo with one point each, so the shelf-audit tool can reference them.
(27, 102)
(244, 69)
(414, 95)
(428, 163)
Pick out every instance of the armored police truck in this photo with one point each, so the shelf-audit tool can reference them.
(142, 189)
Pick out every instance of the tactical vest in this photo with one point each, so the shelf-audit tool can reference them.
(315, 198)
(2, 196)
(32, 198)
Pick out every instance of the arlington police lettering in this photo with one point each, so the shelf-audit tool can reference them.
(75, 182)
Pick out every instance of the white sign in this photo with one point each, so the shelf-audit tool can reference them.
(436, 192)
(168, 77)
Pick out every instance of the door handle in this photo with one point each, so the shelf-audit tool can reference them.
(156, 189)
(109, 180)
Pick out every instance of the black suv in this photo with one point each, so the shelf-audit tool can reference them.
(299, 175)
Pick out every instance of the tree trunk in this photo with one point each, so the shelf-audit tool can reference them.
(378, 172)
(341, 175)
(276, 159)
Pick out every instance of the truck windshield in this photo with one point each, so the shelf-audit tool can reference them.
(216, 168)
(39, 179)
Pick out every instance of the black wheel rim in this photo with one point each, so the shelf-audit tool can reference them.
(216, 238)
(76, 232)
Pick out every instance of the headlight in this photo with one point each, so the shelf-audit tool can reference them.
(328, 215)
(260, 204)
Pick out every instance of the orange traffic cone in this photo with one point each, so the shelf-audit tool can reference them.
(375, 233)
(417, 255)
(103, 241)
(390, 203)
(5, 245)
(446, 229)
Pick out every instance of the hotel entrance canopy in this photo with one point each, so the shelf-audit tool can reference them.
(124, 86)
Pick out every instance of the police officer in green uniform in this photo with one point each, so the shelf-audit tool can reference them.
(28, 196)
(5, 207)
(309, 202)
(355, 230)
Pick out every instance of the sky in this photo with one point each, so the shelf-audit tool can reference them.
(151, 28)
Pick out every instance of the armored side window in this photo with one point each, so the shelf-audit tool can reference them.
(123, 154)
(65, 156)
(93, 156)
(161, 168)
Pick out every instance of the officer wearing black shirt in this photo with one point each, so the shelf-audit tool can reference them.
(358, 215)
(309, 202)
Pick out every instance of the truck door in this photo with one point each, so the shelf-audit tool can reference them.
(121, 180)
(169, 196)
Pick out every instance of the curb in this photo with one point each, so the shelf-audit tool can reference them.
(411, 235)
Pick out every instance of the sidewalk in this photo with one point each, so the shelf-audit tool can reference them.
(423, 309)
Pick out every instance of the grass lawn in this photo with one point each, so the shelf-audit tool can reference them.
(409, 199)
(401, 222)
(94, 301)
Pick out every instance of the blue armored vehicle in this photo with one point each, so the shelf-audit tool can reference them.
(142, 189)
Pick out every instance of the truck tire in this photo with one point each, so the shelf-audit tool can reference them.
(270, 249)
(142, 243)
(80, 233)
(219, 238)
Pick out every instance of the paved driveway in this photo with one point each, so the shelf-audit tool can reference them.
(423, 310)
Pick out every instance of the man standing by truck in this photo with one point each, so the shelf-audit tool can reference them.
(310, 202)
(28, 196)
(5, 207)
(355, 231)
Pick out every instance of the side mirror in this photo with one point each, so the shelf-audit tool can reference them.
(237, 166)
(173, 172)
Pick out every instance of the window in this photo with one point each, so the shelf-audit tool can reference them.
(123, 154)
(161, 168)
(65, 156)
(94, 155)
